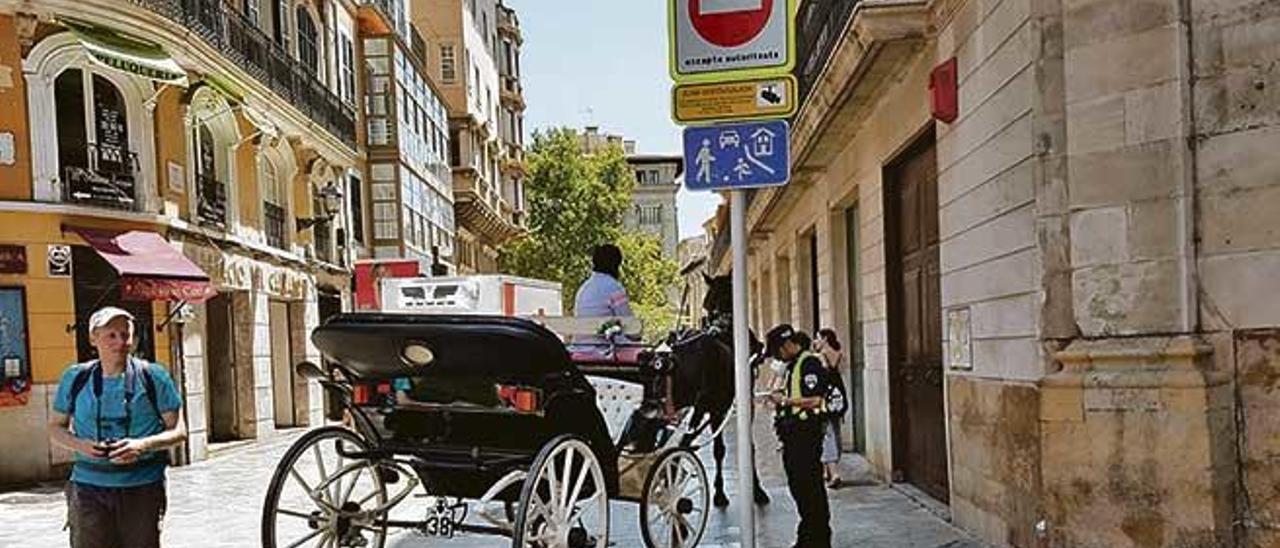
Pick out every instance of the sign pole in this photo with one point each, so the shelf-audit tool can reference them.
(742, 366)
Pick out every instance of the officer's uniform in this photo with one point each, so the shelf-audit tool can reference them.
(801, 433)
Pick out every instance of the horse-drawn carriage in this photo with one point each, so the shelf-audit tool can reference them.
(496, 419)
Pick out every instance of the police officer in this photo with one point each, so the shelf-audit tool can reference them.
(799, 421)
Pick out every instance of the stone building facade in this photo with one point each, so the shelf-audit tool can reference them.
(1059, 300)
(233, 171)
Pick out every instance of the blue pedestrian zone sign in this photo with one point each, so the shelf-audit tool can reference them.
(744, 155)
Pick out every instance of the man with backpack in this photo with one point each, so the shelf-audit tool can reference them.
(118, 414)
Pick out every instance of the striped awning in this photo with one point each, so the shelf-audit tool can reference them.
(116, 50)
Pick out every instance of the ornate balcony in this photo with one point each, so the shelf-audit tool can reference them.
(511, 93)
(241, 41)
(818, 29)
(482, 210)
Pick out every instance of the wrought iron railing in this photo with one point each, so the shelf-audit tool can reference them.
(211, 201)
(253, 50)
(109, 179)
(273, 224)
(819, 25)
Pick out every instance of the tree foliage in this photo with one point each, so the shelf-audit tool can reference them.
(576, 201)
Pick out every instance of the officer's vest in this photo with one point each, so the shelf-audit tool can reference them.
(793, 389)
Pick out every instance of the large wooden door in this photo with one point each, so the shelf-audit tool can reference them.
(220, 370)
(915, 320)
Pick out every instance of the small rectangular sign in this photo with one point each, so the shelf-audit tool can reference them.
(728, 101)
(13, 259)
(741, 155)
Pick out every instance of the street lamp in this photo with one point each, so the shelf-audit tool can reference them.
(331, 200)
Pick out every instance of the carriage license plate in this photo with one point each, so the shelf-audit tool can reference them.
(440, 522)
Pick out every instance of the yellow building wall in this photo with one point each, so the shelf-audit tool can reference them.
(15, 179)
(247, 176)
(50, 301)
(171, 146)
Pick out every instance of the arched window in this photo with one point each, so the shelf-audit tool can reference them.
(308, 48)
(92, 139)
(211, 188)
(95, 162)
(273, 202)
(213, 133)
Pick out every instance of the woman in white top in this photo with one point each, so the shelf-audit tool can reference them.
(602, 295)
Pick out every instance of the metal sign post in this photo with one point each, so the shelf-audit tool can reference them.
(742, 368)
(731, 61)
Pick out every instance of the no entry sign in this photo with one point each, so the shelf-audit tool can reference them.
(718, 40)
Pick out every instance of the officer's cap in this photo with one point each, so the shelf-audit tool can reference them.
(776, 336)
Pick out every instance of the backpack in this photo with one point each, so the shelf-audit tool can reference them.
(94, 373)
(836, 399)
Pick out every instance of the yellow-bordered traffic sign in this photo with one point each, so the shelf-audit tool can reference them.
(755, 99)
(722, 40)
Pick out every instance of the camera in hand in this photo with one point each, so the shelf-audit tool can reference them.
(104, 447)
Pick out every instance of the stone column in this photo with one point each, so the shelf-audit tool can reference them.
(194, 392)
(1137, 430)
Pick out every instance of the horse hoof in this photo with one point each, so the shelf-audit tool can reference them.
(761, 497)
(721, 500)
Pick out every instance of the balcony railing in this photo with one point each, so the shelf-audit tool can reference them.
(819, 26)
(108, 181)
(273, 219)
(249, 47)
(211, 202)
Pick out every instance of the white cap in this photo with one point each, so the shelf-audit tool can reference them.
(104, 316)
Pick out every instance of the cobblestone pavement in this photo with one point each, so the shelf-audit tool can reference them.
(217, 503)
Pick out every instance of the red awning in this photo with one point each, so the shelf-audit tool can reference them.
(150, 269)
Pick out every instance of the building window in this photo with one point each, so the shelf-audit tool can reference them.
(355, 192)
(253, 11)
(308, 48)
(280, 27)
(448, 64)
(95, 163)
(347, 68)
(211, 190)
(649, 215)
(273, 196)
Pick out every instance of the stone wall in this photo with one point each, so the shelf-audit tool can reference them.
(1237, 116)
(1258, 377)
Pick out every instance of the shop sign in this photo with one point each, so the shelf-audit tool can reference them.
(13, 259)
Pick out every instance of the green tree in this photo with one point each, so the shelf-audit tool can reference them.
(575, 202)
(648, 276)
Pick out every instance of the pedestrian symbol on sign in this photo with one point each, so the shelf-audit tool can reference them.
(738, 155)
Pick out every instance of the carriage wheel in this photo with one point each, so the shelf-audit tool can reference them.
(673, 506)
(564, 501)
(319, 498)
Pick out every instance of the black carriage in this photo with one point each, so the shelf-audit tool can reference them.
(497, 421)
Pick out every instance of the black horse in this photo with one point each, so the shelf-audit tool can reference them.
(703, 376)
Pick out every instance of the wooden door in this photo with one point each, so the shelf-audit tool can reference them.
(220, 370)
(915, 321)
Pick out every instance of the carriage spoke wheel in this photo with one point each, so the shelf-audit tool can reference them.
(673, 506)
(564, 502)
(319, 498)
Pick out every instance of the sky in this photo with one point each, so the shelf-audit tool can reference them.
(604, 63)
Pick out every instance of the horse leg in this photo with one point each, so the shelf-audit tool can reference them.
(760, 496)
(719, 451)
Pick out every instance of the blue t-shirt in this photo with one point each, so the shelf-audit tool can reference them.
(142, 422)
